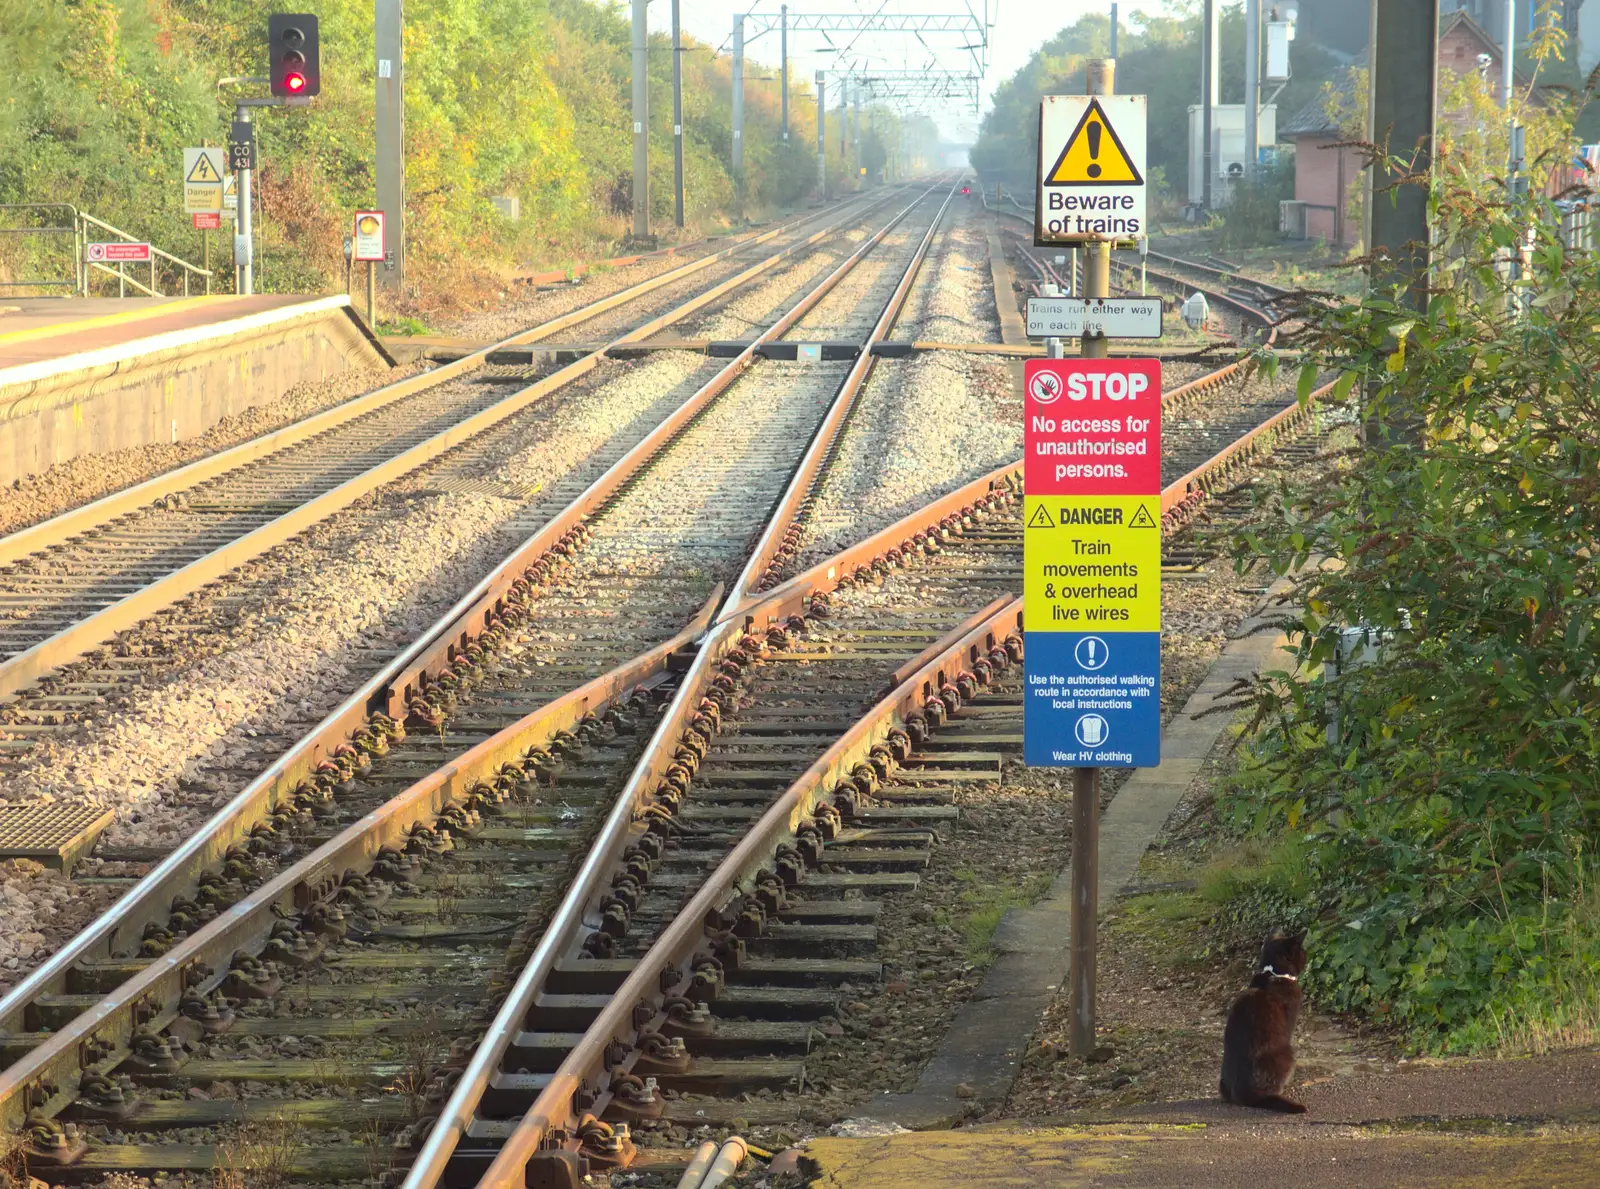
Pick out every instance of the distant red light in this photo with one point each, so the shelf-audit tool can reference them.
(295, 82)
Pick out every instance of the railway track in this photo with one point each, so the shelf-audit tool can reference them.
(541, 805)
(1247, 305)
(691, 1015)
(72, 583)
(617, 539)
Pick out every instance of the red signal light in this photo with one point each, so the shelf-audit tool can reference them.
(295, 82)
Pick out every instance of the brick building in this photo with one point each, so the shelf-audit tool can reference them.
(1323, 173)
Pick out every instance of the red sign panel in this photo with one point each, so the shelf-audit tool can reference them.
(1093, 427)
(207, 221)
(116, 253)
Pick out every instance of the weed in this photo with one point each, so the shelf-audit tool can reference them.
(13, 1162)
(981, 909)
(447, 896)
(417, 1067)
(257, 1156)
(379, 1149)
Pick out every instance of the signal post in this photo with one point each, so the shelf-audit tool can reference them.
(1092, 504)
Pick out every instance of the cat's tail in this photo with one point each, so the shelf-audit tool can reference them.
(1276, 1102)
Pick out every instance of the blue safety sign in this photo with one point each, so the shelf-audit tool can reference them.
(1093, 700)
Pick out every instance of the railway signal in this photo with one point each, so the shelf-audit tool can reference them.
(294, 55)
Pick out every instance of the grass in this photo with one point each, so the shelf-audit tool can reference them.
(402, 327)
(979, 910)
(257, 1156)
(1553, 1002)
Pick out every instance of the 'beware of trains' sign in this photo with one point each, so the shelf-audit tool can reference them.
(1091, 168)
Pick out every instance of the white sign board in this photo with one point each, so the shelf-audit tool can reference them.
(230, 196)
(367, 242)
(1091, 169)
(1113, 317)
(202, 181)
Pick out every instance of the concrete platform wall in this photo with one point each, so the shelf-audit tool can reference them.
(172, 386)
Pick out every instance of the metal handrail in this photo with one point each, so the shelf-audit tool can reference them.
(121, 272)
(154, 251)
(125, 279)
(71, 228)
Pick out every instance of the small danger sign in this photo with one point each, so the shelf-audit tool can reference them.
(1091, 168)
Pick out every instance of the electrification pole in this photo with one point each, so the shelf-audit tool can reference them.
(1208, 99)
(390, 113)
(641, 123)
(1405, 67)
(244, 247)
(857, 96)
(783, 53)
(738, 113)
(1252, 86)
(822, 138)
(1508, 58)
(677, 118)
(1113, 32)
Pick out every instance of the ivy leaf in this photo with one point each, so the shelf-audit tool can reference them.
(1308, 381)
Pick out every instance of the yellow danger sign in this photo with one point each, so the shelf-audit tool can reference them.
(1093, 562)
(204, 171)
(1094, 155)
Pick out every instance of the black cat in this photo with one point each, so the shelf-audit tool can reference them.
(1258, 1043)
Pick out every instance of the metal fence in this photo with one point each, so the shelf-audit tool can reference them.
(49, 248)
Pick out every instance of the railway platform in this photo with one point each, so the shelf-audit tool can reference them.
(83, 375)
(1457, 1122)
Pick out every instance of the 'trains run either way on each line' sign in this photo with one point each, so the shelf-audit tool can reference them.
(1092, 563)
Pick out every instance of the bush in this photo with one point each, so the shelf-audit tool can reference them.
(1250, 220)
(1447, 822)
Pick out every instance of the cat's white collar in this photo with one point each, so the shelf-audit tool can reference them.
(1293, 978)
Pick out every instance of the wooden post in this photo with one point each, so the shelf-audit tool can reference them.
(1100, 77)
(372, 295)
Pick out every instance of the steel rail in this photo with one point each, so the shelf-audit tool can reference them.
(637, 1007)
(201, 962)
(584, 1067)
(1215, 294)
(385, 692)
(804, 482)
(1200, 385)
(458, 1112)
(69, 643)
(78, 520)
(1181, 498)
(1224, 274)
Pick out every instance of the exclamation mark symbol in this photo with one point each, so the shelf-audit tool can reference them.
(1094, 129)
(1091, 642)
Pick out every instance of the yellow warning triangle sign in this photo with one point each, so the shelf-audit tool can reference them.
(1094, 155)
(203, 171)
(1142, 519)
(1040, 519)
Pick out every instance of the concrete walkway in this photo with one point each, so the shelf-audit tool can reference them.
(1261, 1155)
(1526, 1122)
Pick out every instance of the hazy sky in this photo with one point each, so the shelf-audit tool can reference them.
(1019, 26)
